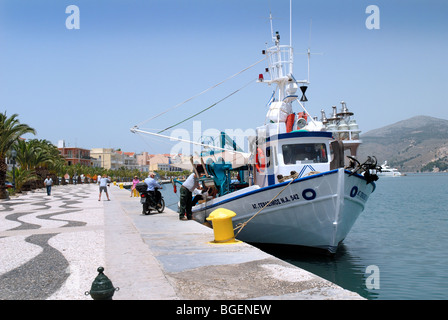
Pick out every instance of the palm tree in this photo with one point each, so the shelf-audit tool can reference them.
(38, 157)
(22, 176)
(47, 158)
(28, 156)
(70, 170)
(10, 131)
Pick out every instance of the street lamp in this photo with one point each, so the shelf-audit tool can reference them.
(13, 157)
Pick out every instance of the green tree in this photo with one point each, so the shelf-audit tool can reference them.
(10, 131)
(40, 157)
(22, 176)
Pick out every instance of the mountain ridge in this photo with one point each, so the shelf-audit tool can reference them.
(417, 144)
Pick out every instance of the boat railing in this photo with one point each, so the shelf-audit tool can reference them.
(280, 59)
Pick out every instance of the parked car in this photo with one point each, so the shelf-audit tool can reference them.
(8, 184)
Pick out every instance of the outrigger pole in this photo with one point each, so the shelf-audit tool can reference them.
(135, 129)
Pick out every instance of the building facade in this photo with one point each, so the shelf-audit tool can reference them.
(162, 162)
(74, 155)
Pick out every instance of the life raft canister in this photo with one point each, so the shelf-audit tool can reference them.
(290, 122)
(260, 160)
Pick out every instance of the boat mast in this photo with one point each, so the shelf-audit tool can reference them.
(290, 35)
(280, 60)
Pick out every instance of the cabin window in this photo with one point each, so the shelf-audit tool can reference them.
(304, 153)
(275, 156)
(268, 157)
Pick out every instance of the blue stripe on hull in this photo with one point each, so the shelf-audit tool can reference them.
(278, 185)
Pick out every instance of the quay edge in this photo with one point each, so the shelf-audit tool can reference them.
(149, 257)
(190, 267)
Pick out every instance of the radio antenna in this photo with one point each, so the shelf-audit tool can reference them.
(309, 50)
(290, 23)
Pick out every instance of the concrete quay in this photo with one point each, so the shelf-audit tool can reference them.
(51, 247)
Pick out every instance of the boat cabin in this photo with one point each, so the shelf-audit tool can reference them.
(279, 155)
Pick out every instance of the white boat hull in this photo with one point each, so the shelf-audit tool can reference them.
(389, 174)
(316, 211)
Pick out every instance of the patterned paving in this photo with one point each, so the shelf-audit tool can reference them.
(50, 246)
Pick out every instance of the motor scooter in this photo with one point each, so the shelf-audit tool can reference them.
(148, 204)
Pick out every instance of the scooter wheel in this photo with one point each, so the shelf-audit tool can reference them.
(162, 206)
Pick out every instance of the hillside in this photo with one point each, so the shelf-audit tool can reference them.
(413, 145)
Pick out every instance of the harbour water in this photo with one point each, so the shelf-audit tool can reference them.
(397, 248)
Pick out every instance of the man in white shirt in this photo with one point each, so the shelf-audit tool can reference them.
(103, 186)
(186, 196)
(48, 182)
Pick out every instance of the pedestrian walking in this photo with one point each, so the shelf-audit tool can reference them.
(134, 183)
(48, 182)
(104, 181)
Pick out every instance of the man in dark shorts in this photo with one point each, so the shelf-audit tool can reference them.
(104, 181)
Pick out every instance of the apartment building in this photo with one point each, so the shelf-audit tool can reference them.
(74, 155)
(162, 162)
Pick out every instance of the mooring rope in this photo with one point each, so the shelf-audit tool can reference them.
(242, 225)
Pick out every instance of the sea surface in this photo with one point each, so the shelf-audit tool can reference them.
(397, 249)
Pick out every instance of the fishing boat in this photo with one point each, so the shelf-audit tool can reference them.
(300, 182)
(387, 171)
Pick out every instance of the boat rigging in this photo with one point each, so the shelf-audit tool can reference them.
(296, 184)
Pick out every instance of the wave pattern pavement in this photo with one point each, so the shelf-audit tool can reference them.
(52, 245)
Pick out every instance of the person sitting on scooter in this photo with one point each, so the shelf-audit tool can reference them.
(152, 184)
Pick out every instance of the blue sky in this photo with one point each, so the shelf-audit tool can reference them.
(132, 59)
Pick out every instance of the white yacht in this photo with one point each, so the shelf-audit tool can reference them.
(387, 171)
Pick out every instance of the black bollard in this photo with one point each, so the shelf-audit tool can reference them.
(102, 288)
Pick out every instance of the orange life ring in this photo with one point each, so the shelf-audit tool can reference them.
(260, 160)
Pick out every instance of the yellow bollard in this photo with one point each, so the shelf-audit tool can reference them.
(222, 226)
(121, 185)
(115, 183)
